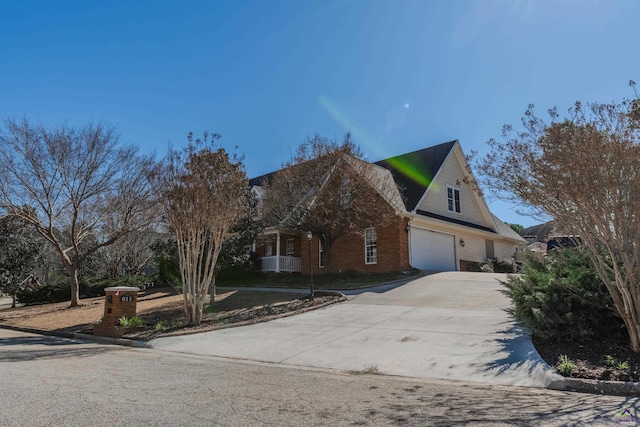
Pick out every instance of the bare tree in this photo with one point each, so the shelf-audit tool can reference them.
(584, 171)
(131, 254)
(78, 187)
(326, 188)
(202, 191)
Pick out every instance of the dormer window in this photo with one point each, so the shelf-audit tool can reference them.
(453, 199)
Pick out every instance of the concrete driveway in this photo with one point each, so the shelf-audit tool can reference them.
(447, 325)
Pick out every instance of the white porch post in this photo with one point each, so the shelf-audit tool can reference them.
(253, 247)
(278, 252)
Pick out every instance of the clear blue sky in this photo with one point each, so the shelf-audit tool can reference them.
(401, 75)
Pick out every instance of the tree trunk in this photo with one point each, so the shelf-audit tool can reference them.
(634, 333)
(75, 288)
(193, 309)
(13, 299)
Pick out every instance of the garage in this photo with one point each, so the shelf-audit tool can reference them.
(431, 250)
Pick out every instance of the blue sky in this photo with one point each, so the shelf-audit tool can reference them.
(400, 74)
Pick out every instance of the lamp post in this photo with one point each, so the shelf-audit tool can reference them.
(309, 237)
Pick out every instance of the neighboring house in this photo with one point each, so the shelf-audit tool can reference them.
(443, 222)
(549, 235)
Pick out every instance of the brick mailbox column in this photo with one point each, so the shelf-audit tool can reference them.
(119, 301)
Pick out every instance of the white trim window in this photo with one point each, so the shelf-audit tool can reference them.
(320, 254)
(290, 248)
(370, 246)
(268, 250)
(453, 199)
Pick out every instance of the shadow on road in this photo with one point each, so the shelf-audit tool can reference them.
(13, 349)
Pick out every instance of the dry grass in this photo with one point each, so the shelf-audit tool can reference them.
(153, 305)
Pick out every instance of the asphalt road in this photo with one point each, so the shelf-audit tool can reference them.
(50, 381)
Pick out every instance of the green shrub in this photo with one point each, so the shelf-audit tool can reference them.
(45, 294)
(88, 288)
(561, 297)
(161, 326)
(503, 265)
(132, 322)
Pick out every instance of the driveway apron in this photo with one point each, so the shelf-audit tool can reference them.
(450, 325)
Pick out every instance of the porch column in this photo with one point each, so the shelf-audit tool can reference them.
(278, 252)
(253, 246)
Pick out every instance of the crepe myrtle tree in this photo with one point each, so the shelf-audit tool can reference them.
(584, 171)
(202, 191)
(79, 187)
(327, 188)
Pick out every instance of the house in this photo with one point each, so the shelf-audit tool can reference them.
(442, 222)
(550, 235)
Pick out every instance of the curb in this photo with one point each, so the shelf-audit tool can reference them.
(79, 336)
(600, 387)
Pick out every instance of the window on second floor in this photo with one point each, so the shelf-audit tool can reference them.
(453, 199)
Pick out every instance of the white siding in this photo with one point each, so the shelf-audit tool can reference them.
(504, 249)
(435, 200)
(473, 249)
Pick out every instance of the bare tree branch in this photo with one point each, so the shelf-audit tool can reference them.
(71, 184)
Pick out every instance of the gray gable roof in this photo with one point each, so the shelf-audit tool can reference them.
(413, 172)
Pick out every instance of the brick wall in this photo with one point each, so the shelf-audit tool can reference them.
(114, 308)
(348, 252)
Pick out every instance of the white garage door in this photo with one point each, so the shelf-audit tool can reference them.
(431, 250)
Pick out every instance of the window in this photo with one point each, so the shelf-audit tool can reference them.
(290, 250)
(370, 246)
(320, 255)
(268, 250)
(453, 199)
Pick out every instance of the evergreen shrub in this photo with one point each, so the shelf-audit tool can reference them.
(561, 297)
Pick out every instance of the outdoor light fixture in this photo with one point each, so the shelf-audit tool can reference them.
(462, 242)
(309, 237)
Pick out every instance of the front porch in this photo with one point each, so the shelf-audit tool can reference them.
(285, 264)
(271, 251)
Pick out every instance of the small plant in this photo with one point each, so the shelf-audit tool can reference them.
(161, 326)
(132, 322)
(565, 365)
(176, 323)
(622, 366)
(611, 362)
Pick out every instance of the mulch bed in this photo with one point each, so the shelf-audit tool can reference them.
(590, 358)
(231, 318)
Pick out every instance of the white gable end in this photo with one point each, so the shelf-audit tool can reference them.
(452, 174)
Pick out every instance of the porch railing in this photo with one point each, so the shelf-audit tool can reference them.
(288, 264)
